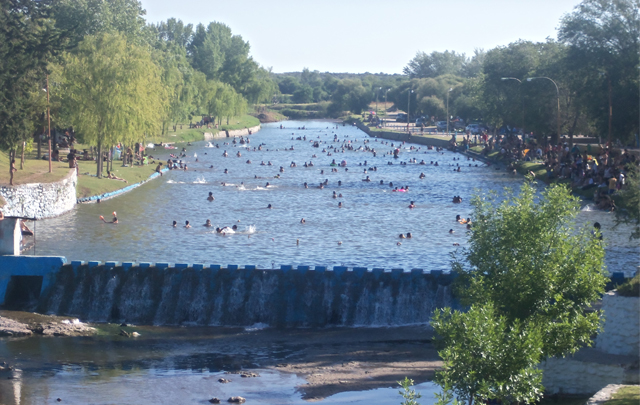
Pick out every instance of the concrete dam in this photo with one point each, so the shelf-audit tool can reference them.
(231, 296)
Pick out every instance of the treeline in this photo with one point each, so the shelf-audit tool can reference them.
(594, 64)
(112, 76)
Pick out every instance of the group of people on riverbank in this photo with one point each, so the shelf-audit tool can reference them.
(602, 169)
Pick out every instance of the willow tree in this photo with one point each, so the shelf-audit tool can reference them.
(113, 92)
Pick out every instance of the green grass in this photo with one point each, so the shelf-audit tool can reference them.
(89, 185)
(630, 288)
(35, 171)
(246, 121)
(628, 395)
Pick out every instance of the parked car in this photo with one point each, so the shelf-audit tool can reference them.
(474, 129)
(402, 117)
(441, 125)
(422, 120)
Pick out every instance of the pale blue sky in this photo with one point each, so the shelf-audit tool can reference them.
(367, 36)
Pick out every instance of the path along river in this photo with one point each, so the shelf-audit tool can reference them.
(362, 233)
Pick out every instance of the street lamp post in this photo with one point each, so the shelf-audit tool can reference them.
(558, 97)
(49, 121)
(385, 104)
(448, 109)
(521, 96)
(377, 93)
(409, 91)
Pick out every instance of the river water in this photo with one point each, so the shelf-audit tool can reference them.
(363, 233)
(184, 367)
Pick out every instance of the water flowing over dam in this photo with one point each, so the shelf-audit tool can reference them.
(242, 297)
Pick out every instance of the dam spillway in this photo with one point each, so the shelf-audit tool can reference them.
(234, 296)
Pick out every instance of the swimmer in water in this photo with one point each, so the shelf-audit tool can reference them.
(267, 185)
(302, 221)
(334, 195)
(409, 236)
(210, 198)
(402, 236)
(208, 223)
(340, 204)
(451, 231)
(412, 205)
(186, 224)
(175, 224)
(113, 221)
(269, 206)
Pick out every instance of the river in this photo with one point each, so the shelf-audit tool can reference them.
(364, 232)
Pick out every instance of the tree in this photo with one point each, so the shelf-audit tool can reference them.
(303, 94)
(435, 64)
(530, 277)
(113, 91)
(487, 357)
(604, 39)
(350, 95)
(80, 18)
(630, 214)
(28, 42)
(527, 257)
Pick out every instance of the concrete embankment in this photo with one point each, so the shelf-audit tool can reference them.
(40, 200)
(208, 136)
(401, 136)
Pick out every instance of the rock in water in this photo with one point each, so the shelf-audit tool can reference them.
(237, 400)
(223, 381)
(214, 401)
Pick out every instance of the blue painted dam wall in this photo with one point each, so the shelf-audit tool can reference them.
(183, 294)
(232, 295)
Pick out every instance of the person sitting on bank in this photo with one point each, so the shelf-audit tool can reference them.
(114, 177)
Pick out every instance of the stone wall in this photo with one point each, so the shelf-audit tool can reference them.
(621, 333)
(585, 373)
(40, 200)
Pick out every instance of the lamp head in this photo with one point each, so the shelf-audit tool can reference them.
(529, 79)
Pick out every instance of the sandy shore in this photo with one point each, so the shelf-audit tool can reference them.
(356, 359)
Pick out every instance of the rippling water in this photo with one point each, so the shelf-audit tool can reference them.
(367, 226)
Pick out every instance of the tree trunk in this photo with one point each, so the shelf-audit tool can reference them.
(40, 144)
(572, 130)
(22, 157)
(99, 161)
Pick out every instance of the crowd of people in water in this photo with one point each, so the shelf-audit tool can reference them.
(603, 171)
(375, 147)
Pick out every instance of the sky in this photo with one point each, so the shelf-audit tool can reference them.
(372, 36)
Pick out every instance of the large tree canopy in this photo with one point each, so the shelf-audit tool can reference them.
(604, 43)
(113, 90)
(28, 42)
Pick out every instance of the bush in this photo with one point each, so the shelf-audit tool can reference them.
(630, 288)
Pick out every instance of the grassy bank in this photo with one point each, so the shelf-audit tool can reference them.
(186, 134)
(89, 185)
(35, 171)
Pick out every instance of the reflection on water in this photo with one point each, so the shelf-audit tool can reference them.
(167, 366)
(367, 227)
